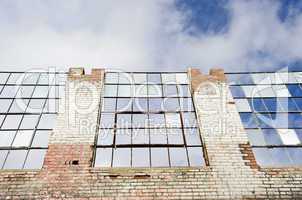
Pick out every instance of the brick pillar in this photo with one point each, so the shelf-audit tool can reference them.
(72, 139)
(223, 134)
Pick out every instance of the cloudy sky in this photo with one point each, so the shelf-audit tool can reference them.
(148, 35)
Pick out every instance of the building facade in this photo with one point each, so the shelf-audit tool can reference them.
(121, 135)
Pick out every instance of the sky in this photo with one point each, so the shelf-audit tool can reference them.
(151, 35)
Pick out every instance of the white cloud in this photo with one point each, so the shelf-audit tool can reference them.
(140, 35)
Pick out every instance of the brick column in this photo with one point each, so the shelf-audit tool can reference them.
(72, 139)
(223, 134)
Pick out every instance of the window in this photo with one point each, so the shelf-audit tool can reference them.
(270, 109)
(149, 122)
(27, 115)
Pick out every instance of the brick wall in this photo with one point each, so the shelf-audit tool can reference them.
(231, 173)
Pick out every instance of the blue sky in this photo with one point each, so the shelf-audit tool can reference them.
(151, 35)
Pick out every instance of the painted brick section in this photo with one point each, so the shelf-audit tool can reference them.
(78, 109)
(232, 172)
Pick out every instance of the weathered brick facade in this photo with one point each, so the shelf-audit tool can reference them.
(231, 171)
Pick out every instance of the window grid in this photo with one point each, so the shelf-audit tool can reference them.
(110, 152)
(273, 121)
(23, 144)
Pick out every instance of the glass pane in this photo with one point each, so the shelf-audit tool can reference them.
(30, 78)
(139, 78)
(15, 159)
(237, 91)
(124, 104)
(157, 120)
(295, 90)
(154, 90)
(195, 156)
(263, 157)
(257, 105)
(3, 78)
(298, 102)
(125, 78)
(140, 105)
(248, 120)
(189, 119)
(295, 155)
(111, 77)
(140, 157)
(287, 104)
(5, 104)
(109, 104)
(242, 105)
(41, 91)
(288, 136)
(122, 157)
(35, 159)
(266, 91)
(107, 120)
(158, 136)
(169, 78)
(178, 157)
(172, 120)
(3, 154)
(139, 120)
(46, 78)
(280, 157)
(25, 92)
(15, 78)
(19, 106)
(281, 91)
(11, 122)
(171, 104)
(183, 91)
(159, 157)
(41, 139)
(47, 121)
(103, 157)
(261, 78)
(1, 119)
(125, 91)
(154, 79)
(6, 138)
(271, 137)
(170, 90)
(192, 136)
(155, 104)
(123, 120)
(186, 104)
(271, 104)
(110, 91)
(250, 91)
(9, 91)
(52, 105)
(29, 122)
(141, 90)
(123, 136)
(175, 136)
(140, 136)
(181, 78)
(105, 137)
(256, 137)
(23, 139)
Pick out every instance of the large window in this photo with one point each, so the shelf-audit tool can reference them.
(28, 105)
(270, 107)
(147, 120)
